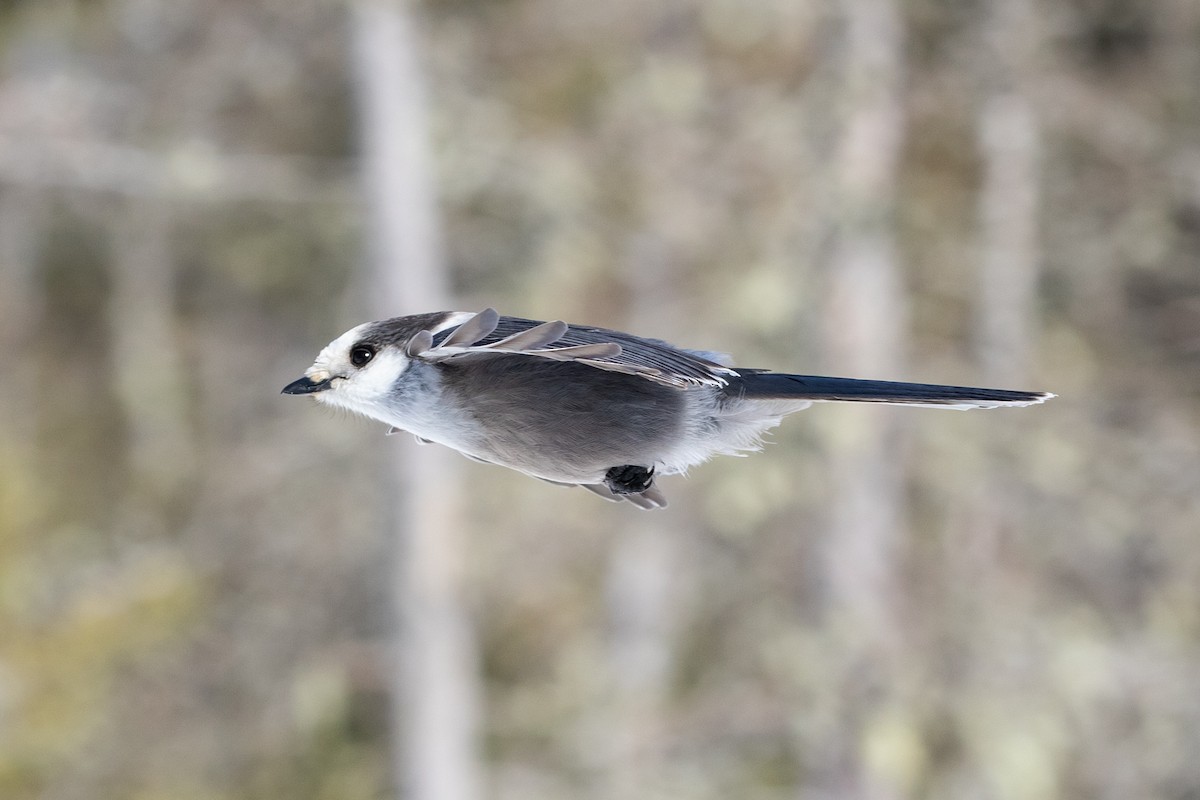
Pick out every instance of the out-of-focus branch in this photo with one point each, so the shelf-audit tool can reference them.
(189, 172)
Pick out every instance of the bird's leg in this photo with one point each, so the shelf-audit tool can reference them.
(629, 479)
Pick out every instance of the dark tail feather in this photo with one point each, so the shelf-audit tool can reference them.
(773, 385)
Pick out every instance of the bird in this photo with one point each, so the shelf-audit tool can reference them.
(579, 405)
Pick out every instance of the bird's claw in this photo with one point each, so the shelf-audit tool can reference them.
(629, 479)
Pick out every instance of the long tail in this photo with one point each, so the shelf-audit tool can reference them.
(774, 385)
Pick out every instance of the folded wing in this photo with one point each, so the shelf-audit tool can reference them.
(488, 334)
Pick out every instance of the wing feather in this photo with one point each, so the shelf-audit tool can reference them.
(473, 330)
(488, 334)
(420, 343)
(534, 338)
(580, 352)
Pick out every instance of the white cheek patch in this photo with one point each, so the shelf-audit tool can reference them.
(366, 390)
(376, 379)
(363, 390)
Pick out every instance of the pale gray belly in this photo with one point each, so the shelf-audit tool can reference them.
(563, 421)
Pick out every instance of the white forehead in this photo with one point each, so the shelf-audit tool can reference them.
(337, 352)
(341, 345)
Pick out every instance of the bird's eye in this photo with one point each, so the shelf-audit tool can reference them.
(360, 354)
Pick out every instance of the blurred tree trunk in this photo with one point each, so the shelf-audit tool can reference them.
(644, 577)
(1010, 146)
(641, 588)
(866, 319)
(20, 313)
(436, 691)
(147, 365)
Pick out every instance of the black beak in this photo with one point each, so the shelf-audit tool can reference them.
(307, 386)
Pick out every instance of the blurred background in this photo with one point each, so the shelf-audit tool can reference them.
(209, 591)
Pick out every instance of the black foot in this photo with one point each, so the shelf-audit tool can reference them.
(629, 479)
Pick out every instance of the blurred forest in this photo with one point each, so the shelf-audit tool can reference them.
(206, 588)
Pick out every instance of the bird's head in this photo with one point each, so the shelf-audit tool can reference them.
(355, 371)
(363, 370)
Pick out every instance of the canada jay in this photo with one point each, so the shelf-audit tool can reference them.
(577, 405)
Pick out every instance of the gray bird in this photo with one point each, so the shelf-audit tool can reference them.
(577, 405)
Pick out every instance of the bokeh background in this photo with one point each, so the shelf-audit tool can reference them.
(209, 591)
